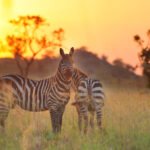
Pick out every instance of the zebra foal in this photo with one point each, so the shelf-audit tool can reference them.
(50, 94)
(89, 98)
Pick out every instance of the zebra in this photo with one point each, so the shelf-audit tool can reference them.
(89, 97)
(50, 94)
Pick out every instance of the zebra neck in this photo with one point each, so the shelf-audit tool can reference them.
(59, 77)
(77, 77)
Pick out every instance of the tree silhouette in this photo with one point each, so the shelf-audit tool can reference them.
(118, 62)
(31, 36)
(144, 55)
(130, 67)
(104, 57)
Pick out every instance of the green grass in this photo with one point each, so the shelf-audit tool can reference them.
(126, 126)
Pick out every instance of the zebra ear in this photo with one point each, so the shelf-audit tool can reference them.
(62, 52)
(71, 51)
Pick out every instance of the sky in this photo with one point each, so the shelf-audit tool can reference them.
(103, 26)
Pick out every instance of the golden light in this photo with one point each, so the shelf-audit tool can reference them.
(7, 6)
(5, 55)
(104, 26)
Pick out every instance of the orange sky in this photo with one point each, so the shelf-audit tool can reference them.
(104, 26)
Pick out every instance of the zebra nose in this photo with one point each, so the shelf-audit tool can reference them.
(68, 72)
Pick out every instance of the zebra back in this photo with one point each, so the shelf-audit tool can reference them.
(76, 78)
(89, 91)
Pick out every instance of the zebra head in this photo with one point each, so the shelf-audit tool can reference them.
(66, 64)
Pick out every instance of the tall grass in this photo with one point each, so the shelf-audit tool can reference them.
(126, 126)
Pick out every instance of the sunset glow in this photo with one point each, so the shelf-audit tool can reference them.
(104, 26)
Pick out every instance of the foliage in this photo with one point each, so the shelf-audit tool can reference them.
(119, 63)
(144, 55)
(31, 36)
(104, 57)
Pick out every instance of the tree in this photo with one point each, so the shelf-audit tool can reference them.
(131, 68)
(104, 57)
(144, 55)
(118, 62)
(31, 36)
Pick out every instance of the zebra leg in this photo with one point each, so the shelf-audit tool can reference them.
(2, 123)
(78, 109)
(3, 117)
(56, 119)
(85, 122)
(2, 126)
(80, 121)
(61, 112)
(84, 113)
(58, 122)
(92, 119)
(98, 109)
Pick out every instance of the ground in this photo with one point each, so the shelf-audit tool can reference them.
(126, 126)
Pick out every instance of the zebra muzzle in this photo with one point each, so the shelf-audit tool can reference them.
(68, 74)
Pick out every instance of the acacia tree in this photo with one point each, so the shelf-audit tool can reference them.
(32, 36)
(144, 55)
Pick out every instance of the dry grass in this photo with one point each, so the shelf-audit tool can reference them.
(126, 126)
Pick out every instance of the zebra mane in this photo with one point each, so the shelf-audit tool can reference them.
(80, 73)
(77, 77)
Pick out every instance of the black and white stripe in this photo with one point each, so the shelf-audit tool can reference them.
(49, 94)
(89, 97)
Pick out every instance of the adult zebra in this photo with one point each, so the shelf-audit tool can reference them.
(49, 94)
(89, 97)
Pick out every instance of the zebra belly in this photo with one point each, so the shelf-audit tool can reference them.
(32, 105)
(33, 109)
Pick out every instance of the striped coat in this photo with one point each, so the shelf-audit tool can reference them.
(89, 97)
(49, 94)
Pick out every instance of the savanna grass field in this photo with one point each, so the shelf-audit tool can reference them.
(126, 126)
(111, 39)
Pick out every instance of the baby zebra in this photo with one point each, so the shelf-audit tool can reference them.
(89, 98)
